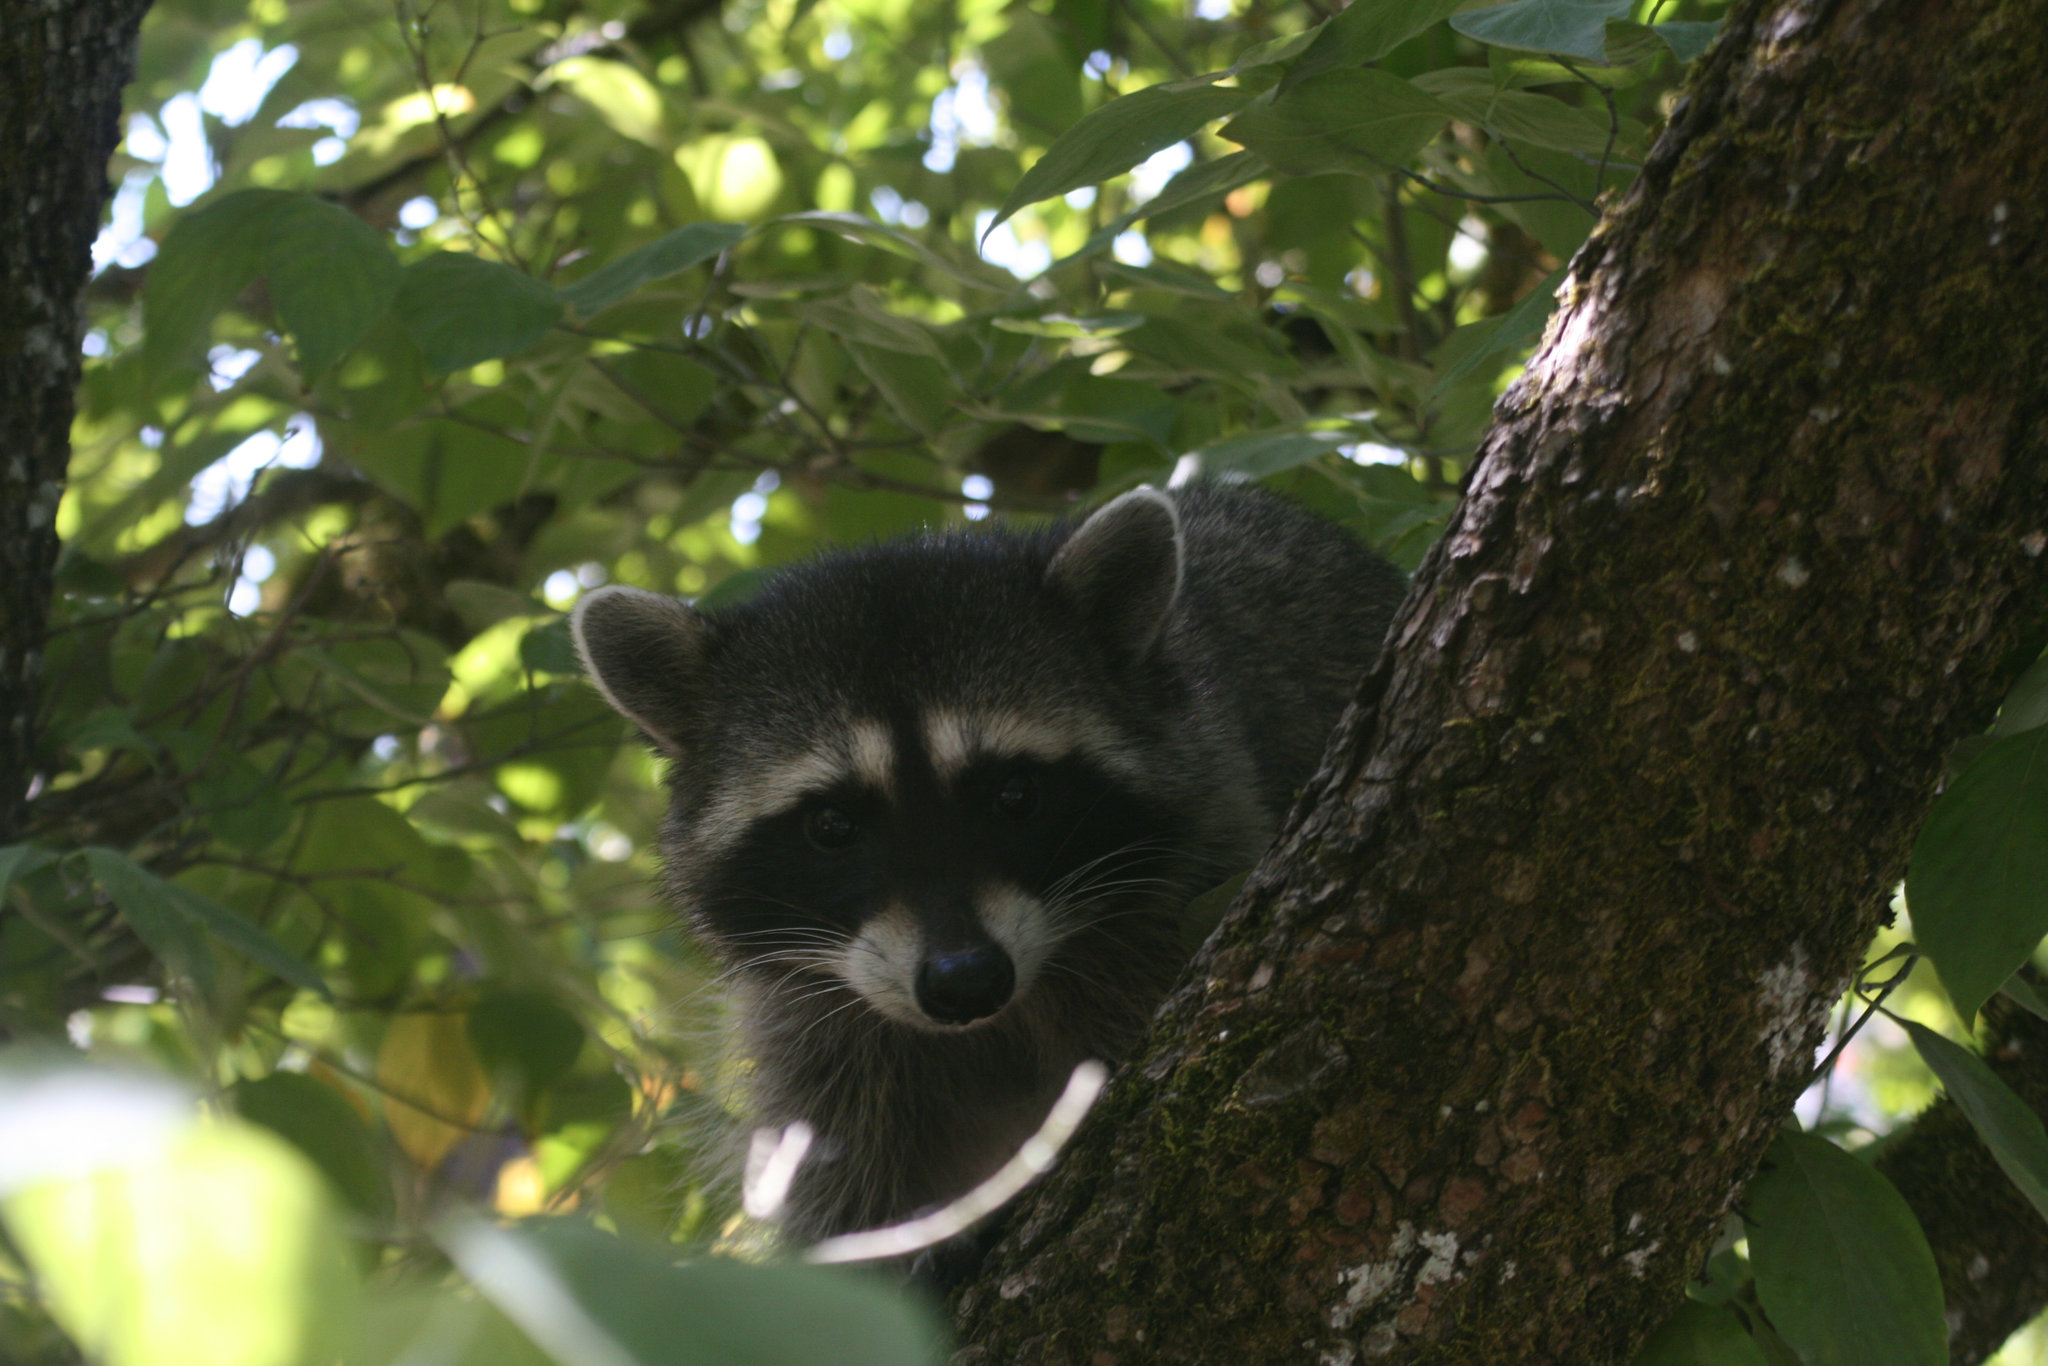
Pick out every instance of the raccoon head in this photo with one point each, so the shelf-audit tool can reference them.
(926, 769)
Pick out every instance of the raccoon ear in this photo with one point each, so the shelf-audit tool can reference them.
(645, 653)
(1121, 568)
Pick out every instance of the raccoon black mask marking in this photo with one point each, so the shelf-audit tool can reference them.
(940, 801)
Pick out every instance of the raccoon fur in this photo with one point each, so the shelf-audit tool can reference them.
(939, 802)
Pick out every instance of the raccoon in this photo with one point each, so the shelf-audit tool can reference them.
(939, 802)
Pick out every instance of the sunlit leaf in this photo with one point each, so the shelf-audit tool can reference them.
(2009, 1129)
(203, 1245)
(1841, 1265)
(1118, 136)
(1977, 884)
(623, 97)
(435, 1091)
(1068, 327)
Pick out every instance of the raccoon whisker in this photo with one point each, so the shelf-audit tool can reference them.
(1076, 876)
(1105, 890)
(790, 932)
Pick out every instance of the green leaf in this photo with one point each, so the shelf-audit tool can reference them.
(170, 918)
(860, 315)
(1067, 327)
(1517, 115)
(1576, 28)
(331, 277)
(1701, 1335)
(240, 802)
(208, 258)
(1198, 183)
(608, 1299)
(210, 1245)
(623, 97)
(895, 241)
(140, 898)
(2026, 701)
(1367, 31)
(244, 936)
(2009, 1129)
(1278, 50)
(2023, 994)
(549, 649)
(915, 387)
(1841, 1265)
(667, 255)
(1255, 455)
(1512, 329)
(1367, 120)
(462, 309)
(1977, 884)
(321, 1124)
(1118, 136)
(1688, 38)
(18, 861)
(525, 1040)
(1192, 186)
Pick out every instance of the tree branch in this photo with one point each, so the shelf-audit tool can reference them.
(1501, 1026)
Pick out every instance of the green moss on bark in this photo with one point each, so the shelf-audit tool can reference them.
(1498, 1032)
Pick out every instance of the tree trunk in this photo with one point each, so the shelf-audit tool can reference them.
(62, 67)
(1499, 1029)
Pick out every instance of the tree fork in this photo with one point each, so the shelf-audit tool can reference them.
(1501, 1026)
(62, 67)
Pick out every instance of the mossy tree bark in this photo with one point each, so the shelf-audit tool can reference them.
(1499, 1029)
(62, 66)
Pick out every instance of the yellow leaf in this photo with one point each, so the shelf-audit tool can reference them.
(435, 1092)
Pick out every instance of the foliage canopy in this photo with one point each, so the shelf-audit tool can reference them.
(411, 325)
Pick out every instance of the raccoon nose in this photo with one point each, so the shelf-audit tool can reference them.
(961, 986)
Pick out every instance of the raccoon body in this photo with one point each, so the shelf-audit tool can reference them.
(939, 802)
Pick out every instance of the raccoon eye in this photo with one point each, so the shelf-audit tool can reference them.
(831, 829)
(1017, 797)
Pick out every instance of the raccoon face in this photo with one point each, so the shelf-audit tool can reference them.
(920, 771)
(939, 891)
